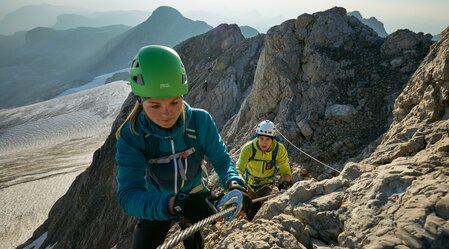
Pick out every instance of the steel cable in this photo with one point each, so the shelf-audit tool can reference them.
(194, 228)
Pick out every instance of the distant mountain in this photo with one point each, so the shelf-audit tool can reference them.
(32, 16)
(9, 44)
(166, 26)
(51, 61)
(372, 22)
(100, 19)
(248, 31)
(436, 37)
(253, 18)
(37, 70)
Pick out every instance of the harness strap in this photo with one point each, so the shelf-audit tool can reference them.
(257, 179)
(167, 159)
(182, 170)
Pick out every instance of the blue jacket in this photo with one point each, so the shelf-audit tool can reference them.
(145, 188)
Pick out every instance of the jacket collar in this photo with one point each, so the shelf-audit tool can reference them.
(149, 127)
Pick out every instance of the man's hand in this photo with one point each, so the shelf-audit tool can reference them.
(284, 185)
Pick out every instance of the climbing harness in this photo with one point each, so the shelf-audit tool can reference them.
(167, 159)
(185, 163)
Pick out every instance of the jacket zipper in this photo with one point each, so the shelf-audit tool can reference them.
(263, 162)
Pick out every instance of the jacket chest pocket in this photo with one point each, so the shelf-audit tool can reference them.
(268, 165)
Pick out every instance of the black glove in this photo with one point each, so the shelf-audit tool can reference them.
(194, 207)
(285, 185)
(247, 202)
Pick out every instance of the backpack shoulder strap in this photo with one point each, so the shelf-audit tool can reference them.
(191, 140)
(190, 135)
(254, 151)
(151, 146)
(275, 152)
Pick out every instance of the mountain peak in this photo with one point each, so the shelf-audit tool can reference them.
(165, 11)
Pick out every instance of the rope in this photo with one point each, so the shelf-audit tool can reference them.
(194, 228)
(264, 198)
(306, 153)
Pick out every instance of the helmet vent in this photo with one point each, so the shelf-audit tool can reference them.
(135, 63)
(138, 79)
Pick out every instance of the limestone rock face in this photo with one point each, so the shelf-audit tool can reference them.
(402, 201)
(220, 66)
(333, 73)
(397, 197)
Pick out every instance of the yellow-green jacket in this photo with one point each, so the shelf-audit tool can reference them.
(258, 168)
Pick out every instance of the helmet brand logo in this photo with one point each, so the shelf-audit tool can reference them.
(166, 85)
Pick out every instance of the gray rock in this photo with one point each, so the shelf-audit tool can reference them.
(442, 207)
(306, 131)
(340, 112)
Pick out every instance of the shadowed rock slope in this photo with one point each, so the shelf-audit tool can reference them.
(220, 66)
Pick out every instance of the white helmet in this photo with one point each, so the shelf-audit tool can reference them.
(266, 128)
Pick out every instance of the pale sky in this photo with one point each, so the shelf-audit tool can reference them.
(430, 16)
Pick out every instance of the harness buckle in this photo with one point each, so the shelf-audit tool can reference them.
(184, 154)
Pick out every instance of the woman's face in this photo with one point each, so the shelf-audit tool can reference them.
(264, 142)
(163, 111)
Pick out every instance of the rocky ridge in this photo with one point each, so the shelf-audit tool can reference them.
(221, 75)
(372, 22)
(309, 73)
(395, 198)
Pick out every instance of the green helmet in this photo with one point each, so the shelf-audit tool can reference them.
(158, 72)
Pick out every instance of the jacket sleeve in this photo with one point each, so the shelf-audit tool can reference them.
(131, 194)
(245, 153)
(282, 161)
(216, 151)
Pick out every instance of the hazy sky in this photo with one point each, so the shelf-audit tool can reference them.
(430, 16)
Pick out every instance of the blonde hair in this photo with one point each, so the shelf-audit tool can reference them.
(134, 114)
